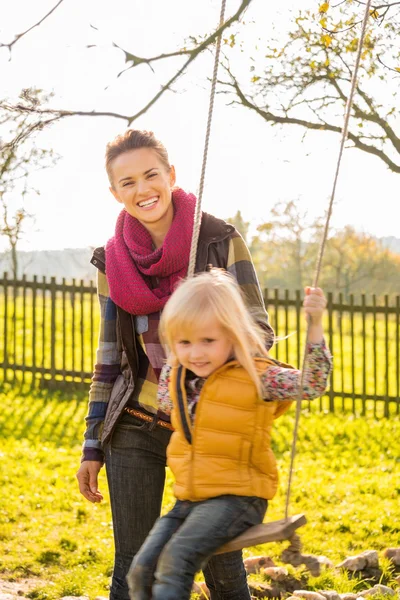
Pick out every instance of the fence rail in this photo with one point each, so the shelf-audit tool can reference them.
(49, 331)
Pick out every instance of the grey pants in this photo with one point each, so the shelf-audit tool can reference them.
(135, 464)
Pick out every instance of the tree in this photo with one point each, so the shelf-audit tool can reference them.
(284, 250)
(191, 49)
(19, 157)
(306, 82)
(240, 224)
(356, 262)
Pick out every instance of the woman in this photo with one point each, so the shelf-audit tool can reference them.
(137, 272)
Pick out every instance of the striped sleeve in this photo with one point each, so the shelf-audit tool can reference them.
(241, 266)
(106, 371)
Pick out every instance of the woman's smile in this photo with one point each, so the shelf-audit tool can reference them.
(149, 203)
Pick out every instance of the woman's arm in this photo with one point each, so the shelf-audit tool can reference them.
(106, 371)
(240, 265)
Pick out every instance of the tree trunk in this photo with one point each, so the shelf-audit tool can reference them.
(14, 259)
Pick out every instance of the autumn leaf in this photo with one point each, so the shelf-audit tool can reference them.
(255, 78)
(324, 7)
(326, 39)
(398, 69)
(374, 14)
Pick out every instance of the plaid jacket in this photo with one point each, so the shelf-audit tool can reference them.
(120, 351)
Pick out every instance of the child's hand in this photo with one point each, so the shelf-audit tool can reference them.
(314, 304)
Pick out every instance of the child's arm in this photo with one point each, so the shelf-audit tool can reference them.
(314, 305)
(282, 383)
(163, 397)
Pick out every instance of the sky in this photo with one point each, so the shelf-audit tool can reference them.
(251, 165)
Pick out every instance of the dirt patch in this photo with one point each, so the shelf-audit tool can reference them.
(21, 587)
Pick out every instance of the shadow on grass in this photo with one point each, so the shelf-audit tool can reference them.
(42, 415)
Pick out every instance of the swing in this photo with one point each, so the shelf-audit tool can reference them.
(283, 529)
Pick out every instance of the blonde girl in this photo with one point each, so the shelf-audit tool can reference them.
(225, 392)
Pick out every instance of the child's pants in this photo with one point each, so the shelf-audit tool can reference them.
(182, 541)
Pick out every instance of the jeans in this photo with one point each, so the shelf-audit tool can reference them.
(135, 464)
(184, 539)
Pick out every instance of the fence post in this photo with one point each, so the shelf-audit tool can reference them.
(64, 331)
(398, 354)
(23, 327)
(298, 328)
(34, 292)
(53, 329)
(14, 329)
(5, 364)
(82, 329)
(375, 352)
(364, 366)
(386, 405)
(330, 334)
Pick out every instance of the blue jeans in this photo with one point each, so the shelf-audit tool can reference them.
(182, 541)
(135, 464)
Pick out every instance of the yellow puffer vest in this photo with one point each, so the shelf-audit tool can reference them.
(228, 450)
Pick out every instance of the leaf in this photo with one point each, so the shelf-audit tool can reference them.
(255, 78)
(374, 13)
(324, 7)
(327, 40)
(398, 69)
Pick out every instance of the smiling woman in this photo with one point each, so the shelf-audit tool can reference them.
(138, 270)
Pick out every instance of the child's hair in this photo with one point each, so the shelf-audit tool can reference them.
(214, 294)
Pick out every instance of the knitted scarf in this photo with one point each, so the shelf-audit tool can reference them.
(132, 262)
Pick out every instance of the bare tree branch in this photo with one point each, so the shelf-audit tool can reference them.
(191, 53)
(20, 35)
(286, 120)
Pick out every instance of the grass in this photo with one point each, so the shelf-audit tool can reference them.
(347, 482)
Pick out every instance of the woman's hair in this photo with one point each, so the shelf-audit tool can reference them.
(214, 294)
(134, 139)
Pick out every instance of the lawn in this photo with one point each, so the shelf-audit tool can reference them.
(347, 482)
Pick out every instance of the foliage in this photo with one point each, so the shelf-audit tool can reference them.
(306, 80)
(285, 252)
(347, 483)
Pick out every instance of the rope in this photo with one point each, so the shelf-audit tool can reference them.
(324, 239)
(197, 214)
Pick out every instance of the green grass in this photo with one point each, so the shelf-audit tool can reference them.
(347, 482)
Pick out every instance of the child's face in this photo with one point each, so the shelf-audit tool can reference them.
(204, 349)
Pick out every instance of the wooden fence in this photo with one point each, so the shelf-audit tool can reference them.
(48, 336)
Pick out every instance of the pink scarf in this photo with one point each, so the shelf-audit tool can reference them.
(131, 261)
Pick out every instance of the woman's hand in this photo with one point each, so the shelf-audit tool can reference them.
(87, 479)
(314, 306)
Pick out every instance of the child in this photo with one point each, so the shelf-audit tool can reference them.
(225, 393)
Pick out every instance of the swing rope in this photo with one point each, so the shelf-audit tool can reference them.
(197, 214)
(345, 129)
(277, 535)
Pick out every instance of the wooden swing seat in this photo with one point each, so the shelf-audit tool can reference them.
(275, 531)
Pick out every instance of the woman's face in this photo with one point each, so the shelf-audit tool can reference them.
(142, 183)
